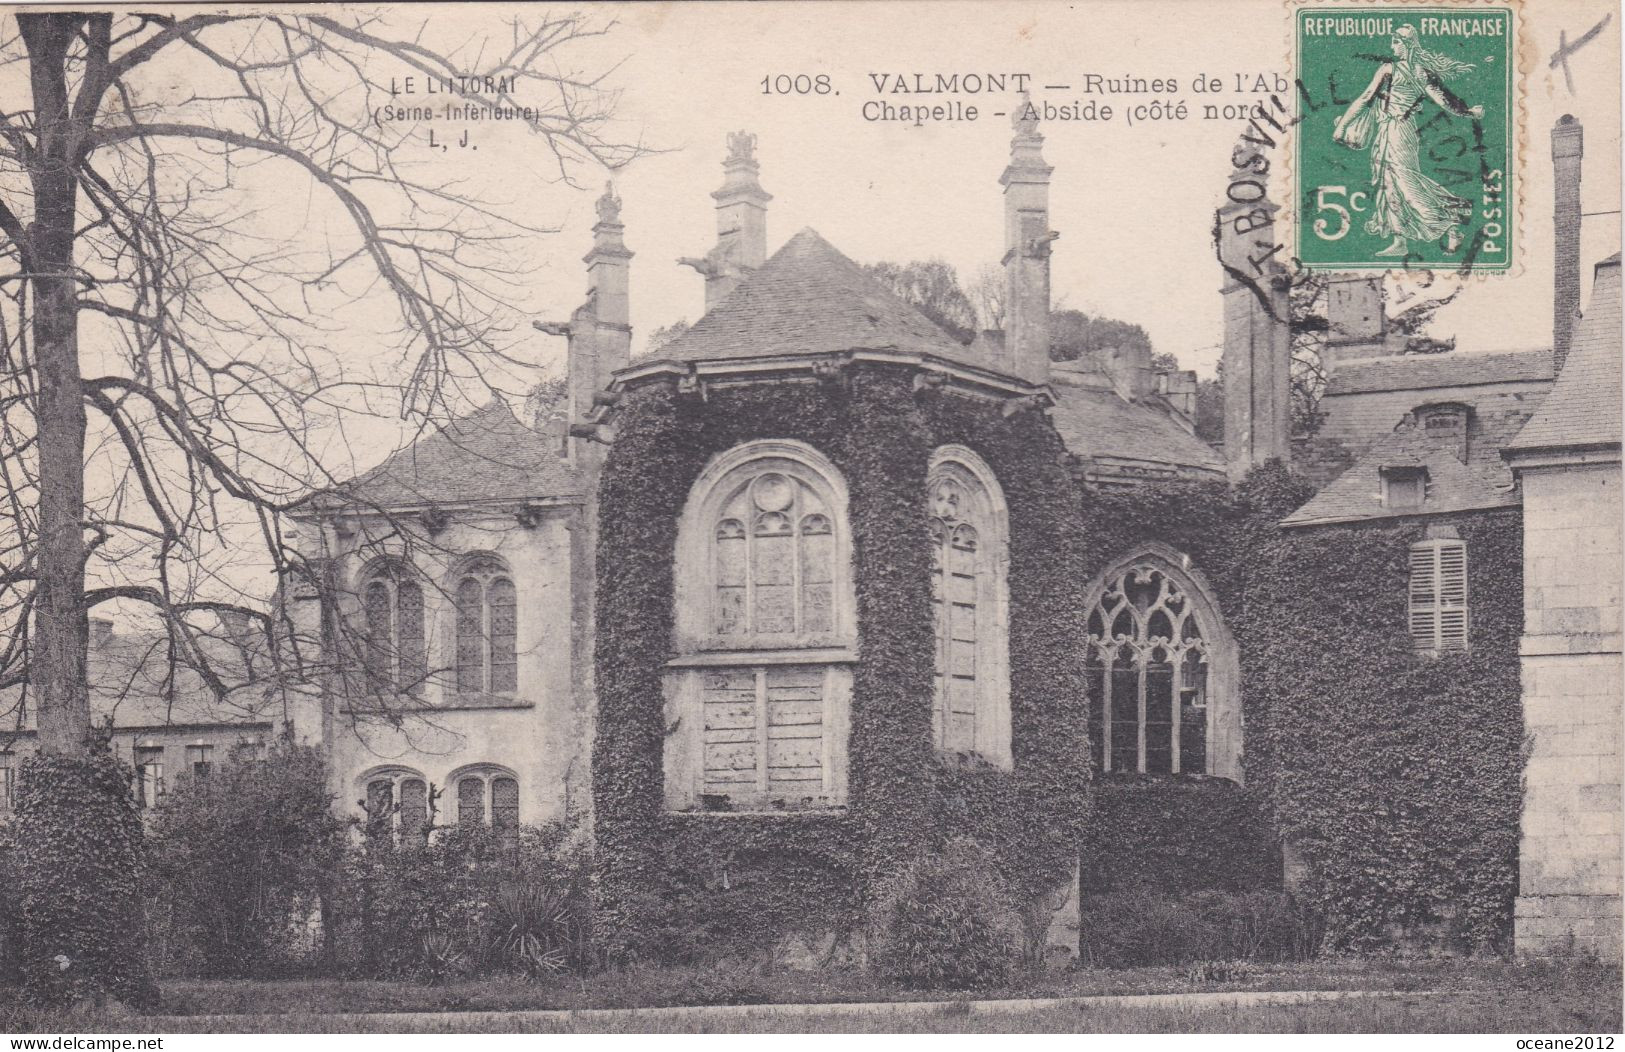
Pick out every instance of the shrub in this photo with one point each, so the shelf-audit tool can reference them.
(1132, 929)
(241, 860)
(467, 900)
(947, 921)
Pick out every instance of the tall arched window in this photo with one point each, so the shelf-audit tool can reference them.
(486, 629)
(765, 634)
(969, 565)
(392, 607)
(1162, 672)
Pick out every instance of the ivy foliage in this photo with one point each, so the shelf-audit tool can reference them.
(724, 880)
(77, 859)
(1393, 777)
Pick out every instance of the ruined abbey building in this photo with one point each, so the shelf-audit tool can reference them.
(814, 587)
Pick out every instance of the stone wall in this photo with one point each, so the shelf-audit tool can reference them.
(1570, 853)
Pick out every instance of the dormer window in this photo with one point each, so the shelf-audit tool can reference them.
(1446, 422)
(1404, 486)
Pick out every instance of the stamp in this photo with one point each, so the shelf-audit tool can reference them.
(1404, 154)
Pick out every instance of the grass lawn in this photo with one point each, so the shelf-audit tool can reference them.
(1471, 997)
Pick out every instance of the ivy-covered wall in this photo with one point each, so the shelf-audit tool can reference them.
(1394, 778)
(690, 885)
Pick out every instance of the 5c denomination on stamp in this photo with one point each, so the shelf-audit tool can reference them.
(1404, 152)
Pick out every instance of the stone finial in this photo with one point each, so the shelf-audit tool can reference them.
(1024, 118)
(741, 149)
(609, 205)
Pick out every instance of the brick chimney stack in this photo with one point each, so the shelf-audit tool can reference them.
(1027, 239)
(1568, 144)
(1257, 333)
(741, 222)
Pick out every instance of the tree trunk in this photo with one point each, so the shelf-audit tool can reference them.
(61, 632)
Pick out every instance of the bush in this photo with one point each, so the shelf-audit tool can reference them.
(467, 900)
(948, 922)
(1133, 929)
(241, 859)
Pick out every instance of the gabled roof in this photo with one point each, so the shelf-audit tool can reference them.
(809, 299)
(1096, 422)
(486, 455)
(1428, 371)
(1584, 407)
(1452, 486)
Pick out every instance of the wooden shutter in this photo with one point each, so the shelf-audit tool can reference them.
(1438, 595)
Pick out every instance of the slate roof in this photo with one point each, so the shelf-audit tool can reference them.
(809, 299)
(129, 681)
(1584, 407)
(1098, 423)
(486, 455)
(1451, 369)
(1452, 486)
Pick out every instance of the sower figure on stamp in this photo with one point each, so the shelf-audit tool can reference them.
(1407, 204)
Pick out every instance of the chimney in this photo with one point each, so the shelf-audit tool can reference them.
(1356, 323)
(1129, 369)
(599, 333)
(1257, 333)
(1027, 238)
(1568, 143)
(741, 222)
(101, 631)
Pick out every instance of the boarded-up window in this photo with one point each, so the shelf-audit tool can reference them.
(1438, 595)
(965, 537)
(764, 732)
(1146, 664)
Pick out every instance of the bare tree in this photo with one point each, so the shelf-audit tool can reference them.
(166, 336)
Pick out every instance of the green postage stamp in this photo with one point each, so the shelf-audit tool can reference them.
(1404, 151)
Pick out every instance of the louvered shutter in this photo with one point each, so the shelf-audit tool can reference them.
(1452, 595)
(1438, 595)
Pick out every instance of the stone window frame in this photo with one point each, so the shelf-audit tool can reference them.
(1438, 605)
(396, 821)
(1224, 683)
(407, 660)
(979, 505)
(487, 570)
(702, 654)
(487, 775)
(8, 781)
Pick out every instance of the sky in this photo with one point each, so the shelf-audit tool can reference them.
(1133, 204)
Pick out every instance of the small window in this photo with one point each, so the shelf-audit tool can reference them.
(1404, 487)
(199, 760)
(8, 784)
(1438, 596)
(488, 796)
(149, 775)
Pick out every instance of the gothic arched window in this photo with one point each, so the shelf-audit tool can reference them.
(487, 795)
(392, 608)
(1161, 672)
(486, 629)
(764, 633)
(969, 563)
